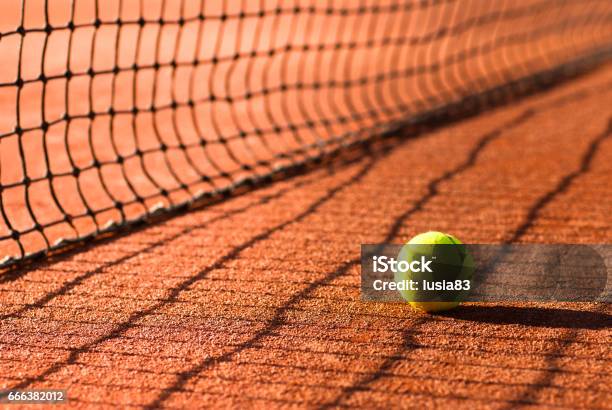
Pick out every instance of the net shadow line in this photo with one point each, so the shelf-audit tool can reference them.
(12, 275)
(318, 369)
(556, 370)
(434, 116)
(257, 320)
(250, 398)
(413, 345)
(330, 370)
(341, 154)
(432, 192)
(293, 367)
(532, 215)
(152, 277)
(453, 111)
(418, 377)
(487, 138)
(129, 323)
(213, 330)
(479, 365)
(313, 385)
(128, 256)
(425, 377)
(265, 199)
(408, 334)
(279, 318)
(546, 378)
(201, 292)
(562, 186)
(421, 346)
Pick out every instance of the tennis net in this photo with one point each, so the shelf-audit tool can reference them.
(112, 111)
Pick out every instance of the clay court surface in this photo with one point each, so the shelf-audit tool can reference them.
(255, 301)
(109, 109)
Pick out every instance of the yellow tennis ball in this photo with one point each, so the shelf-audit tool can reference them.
(451, 260)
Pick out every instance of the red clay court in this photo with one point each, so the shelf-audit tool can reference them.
(185, 185)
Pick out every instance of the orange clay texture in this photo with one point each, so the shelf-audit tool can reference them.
(255, 301)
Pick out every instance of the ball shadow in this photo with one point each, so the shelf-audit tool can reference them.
(533, 316)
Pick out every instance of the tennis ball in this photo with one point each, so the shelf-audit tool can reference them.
(450, 261)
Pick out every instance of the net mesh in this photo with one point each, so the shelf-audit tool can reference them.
(113, 110)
